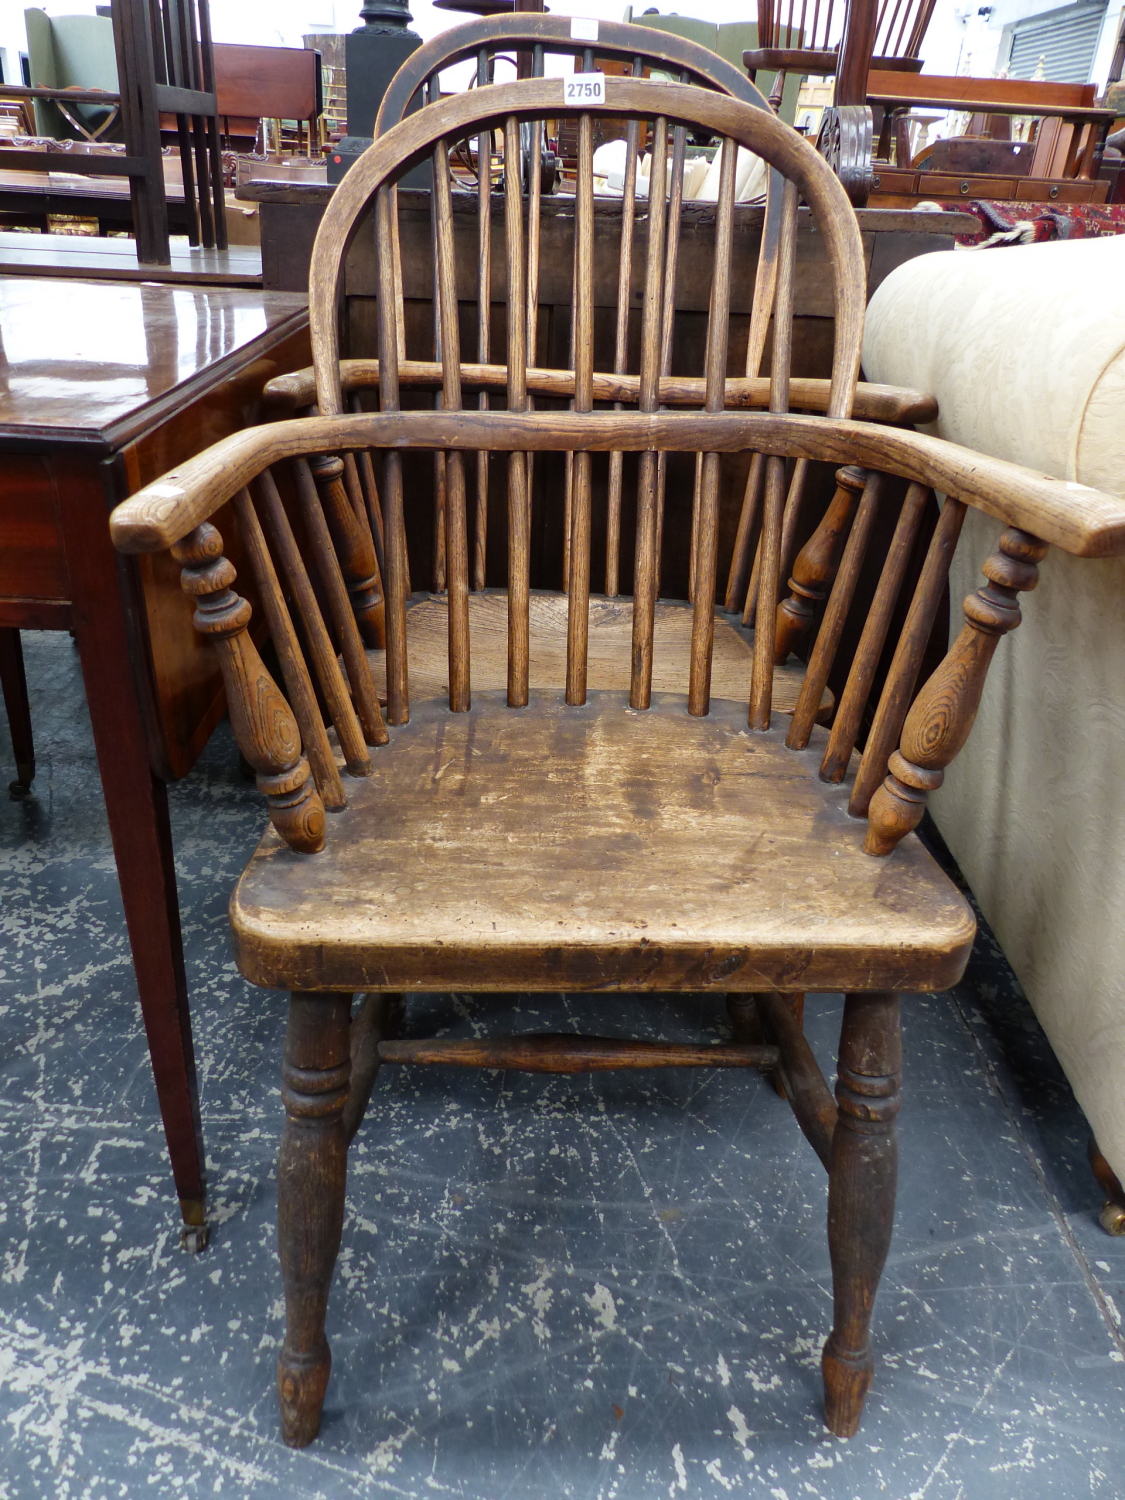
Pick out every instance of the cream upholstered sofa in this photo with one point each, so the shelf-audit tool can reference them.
(1024, 348)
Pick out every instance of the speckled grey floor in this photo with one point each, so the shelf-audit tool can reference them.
(612, 1288)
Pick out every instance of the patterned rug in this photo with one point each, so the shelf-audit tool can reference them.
(1012, 223)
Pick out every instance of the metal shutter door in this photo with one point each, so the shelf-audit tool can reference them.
(1065, 39)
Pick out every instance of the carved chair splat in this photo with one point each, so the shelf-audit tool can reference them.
(748, 881)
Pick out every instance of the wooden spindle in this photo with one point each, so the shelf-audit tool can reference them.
(394, 542)
(765, 290)
(456, 524)
(770, 547)
(907, 660)
(797, 470)
(519, 500)
(816, 564)
(438, 460)
(484, 321)
(355, 550)
(339, 606)
(369, 489)
(857, 689)
(565, 1053)
(839, 602)
(645, 566)
(942, 715)
(283, 546)
(675, 201)
(744, 537)
(294, 671)
(265, 729)
(715, 370)
(621, 343)
(578, 616)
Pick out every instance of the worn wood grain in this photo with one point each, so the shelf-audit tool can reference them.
(560, 1053)
(610, 646)
(589, 848)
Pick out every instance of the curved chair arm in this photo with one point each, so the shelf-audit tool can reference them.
(1071, 516)
(875, 403)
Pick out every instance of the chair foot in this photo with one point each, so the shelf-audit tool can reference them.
(311, 1178)
(18, 790)
(847, 1379)
(861, 1197)
(1112, 1218)
(302, 1380)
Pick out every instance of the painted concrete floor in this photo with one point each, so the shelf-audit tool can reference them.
(614, 1287)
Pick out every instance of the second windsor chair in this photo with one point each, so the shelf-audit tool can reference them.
(550, 829)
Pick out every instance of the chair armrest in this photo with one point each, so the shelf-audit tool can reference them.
(876, 403)
(1071, 516)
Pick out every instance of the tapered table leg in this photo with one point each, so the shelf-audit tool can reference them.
(311, 1178)
(137, 806)
(861, 1196)
(14, 685)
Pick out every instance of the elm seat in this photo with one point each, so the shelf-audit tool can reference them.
(611, 624)
(590, 848)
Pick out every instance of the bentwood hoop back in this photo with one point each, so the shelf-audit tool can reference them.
(574, 790)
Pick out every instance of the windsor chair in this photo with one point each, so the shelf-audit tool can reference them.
(828, 40)
(522, 822)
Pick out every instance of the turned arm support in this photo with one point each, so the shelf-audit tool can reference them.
(942, 715)
(1080, 520)
(264, 726)
(815, 566)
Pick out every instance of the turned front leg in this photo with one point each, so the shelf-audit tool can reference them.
(311, 1178)
(861, 1196)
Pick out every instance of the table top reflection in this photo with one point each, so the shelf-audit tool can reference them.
(86, 361)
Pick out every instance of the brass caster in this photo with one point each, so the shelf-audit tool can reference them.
(1113, 1219)
(194, 1237)
(18, 790)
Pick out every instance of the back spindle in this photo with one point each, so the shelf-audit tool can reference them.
(519, 499)
(484, 314)
(761, 682)
(394, 544)
(645, 565)
(457, 542)
(675, 192)
(715, 369)
(621, 342)
(765, 288)
(578, 618)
